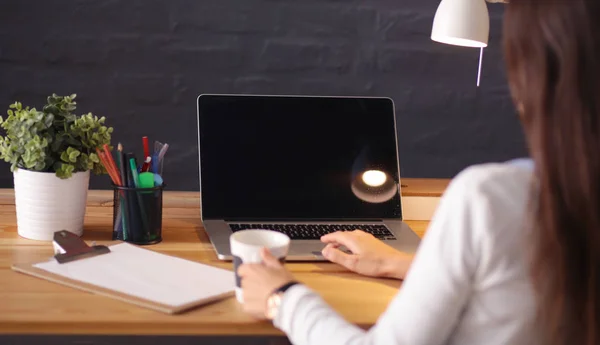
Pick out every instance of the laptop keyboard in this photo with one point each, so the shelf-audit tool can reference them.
(315, 231)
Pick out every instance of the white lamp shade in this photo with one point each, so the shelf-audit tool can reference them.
(462, 23)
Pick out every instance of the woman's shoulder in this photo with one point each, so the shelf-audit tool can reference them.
(495, 195)
(495, 179)
(493, 198)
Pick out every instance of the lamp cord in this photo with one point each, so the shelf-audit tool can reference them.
(480, 63)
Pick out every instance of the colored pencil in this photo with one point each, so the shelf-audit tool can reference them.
(109, 169)
(111, 162)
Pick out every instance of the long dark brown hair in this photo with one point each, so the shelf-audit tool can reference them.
(552, 52)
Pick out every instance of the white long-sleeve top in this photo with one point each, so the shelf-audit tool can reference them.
(468, 283)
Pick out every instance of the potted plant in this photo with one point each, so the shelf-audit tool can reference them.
(51, 153)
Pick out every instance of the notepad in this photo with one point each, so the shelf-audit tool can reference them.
(133, 274)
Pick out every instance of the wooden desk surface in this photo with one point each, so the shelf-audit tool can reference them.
(34, 306)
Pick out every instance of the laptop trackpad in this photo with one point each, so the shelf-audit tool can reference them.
(318, 254)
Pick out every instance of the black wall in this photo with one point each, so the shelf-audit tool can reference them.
(143, 63)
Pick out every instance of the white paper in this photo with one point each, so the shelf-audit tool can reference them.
(146, 274)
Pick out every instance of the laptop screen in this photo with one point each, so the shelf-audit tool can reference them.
(297, 158)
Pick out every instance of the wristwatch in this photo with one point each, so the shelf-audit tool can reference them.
(274, 300)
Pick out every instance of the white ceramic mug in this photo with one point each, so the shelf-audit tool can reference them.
(246, 245)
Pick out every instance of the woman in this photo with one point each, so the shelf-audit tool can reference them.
(512, 255)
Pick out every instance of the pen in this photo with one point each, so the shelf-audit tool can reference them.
(163, 151)
(133, 208)
(161, 157)
(130, 181)
(118, 221)
(146, 164)
(154, 163)
(134, 172)
(136, 181)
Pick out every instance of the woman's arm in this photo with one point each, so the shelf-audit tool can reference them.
(430, 302)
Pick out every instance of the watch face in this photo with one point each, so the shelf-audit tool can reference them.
(273, 303)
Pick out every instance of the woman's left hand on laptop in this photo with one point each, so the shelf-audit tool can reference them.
(369, 256)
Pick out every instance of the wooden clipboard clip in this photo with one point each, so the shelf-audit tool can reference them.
(69, 247)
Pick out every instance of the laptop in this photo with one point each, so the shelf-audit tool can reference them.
(302, 165)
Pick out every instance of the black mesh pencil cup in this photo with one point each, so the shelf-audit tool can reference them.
(137, 214)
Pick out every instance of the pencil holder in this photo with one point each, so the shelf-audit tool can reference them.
(137, 214)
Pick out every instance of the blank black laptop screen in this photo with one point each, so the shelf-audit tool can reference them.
(292, 158)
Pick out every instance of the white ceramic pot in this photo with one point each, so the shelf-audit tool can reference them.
(46, 204)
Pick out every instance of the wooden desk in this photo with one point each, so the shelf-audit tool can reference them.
(33, 306)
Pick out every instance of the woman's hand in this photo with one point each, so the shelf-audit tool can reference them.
(260, 280)
(370, 256)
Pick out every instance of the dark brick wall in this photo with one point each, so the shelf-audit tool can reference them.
(142, 64)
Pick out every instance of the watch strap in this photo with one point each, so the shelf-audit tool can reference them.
(284, 287)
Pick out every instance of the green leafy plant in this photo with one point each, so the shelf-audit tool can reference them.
(54, 139)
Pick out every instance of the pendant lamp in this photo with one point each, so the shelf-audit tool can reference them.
(462, 22)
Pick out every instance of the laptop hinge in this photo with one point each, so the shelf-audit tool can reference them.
(303, 220)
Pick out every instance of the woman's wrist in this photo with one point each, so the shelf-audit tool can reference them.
(275, 298)
(283, 288)
(397, 265)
